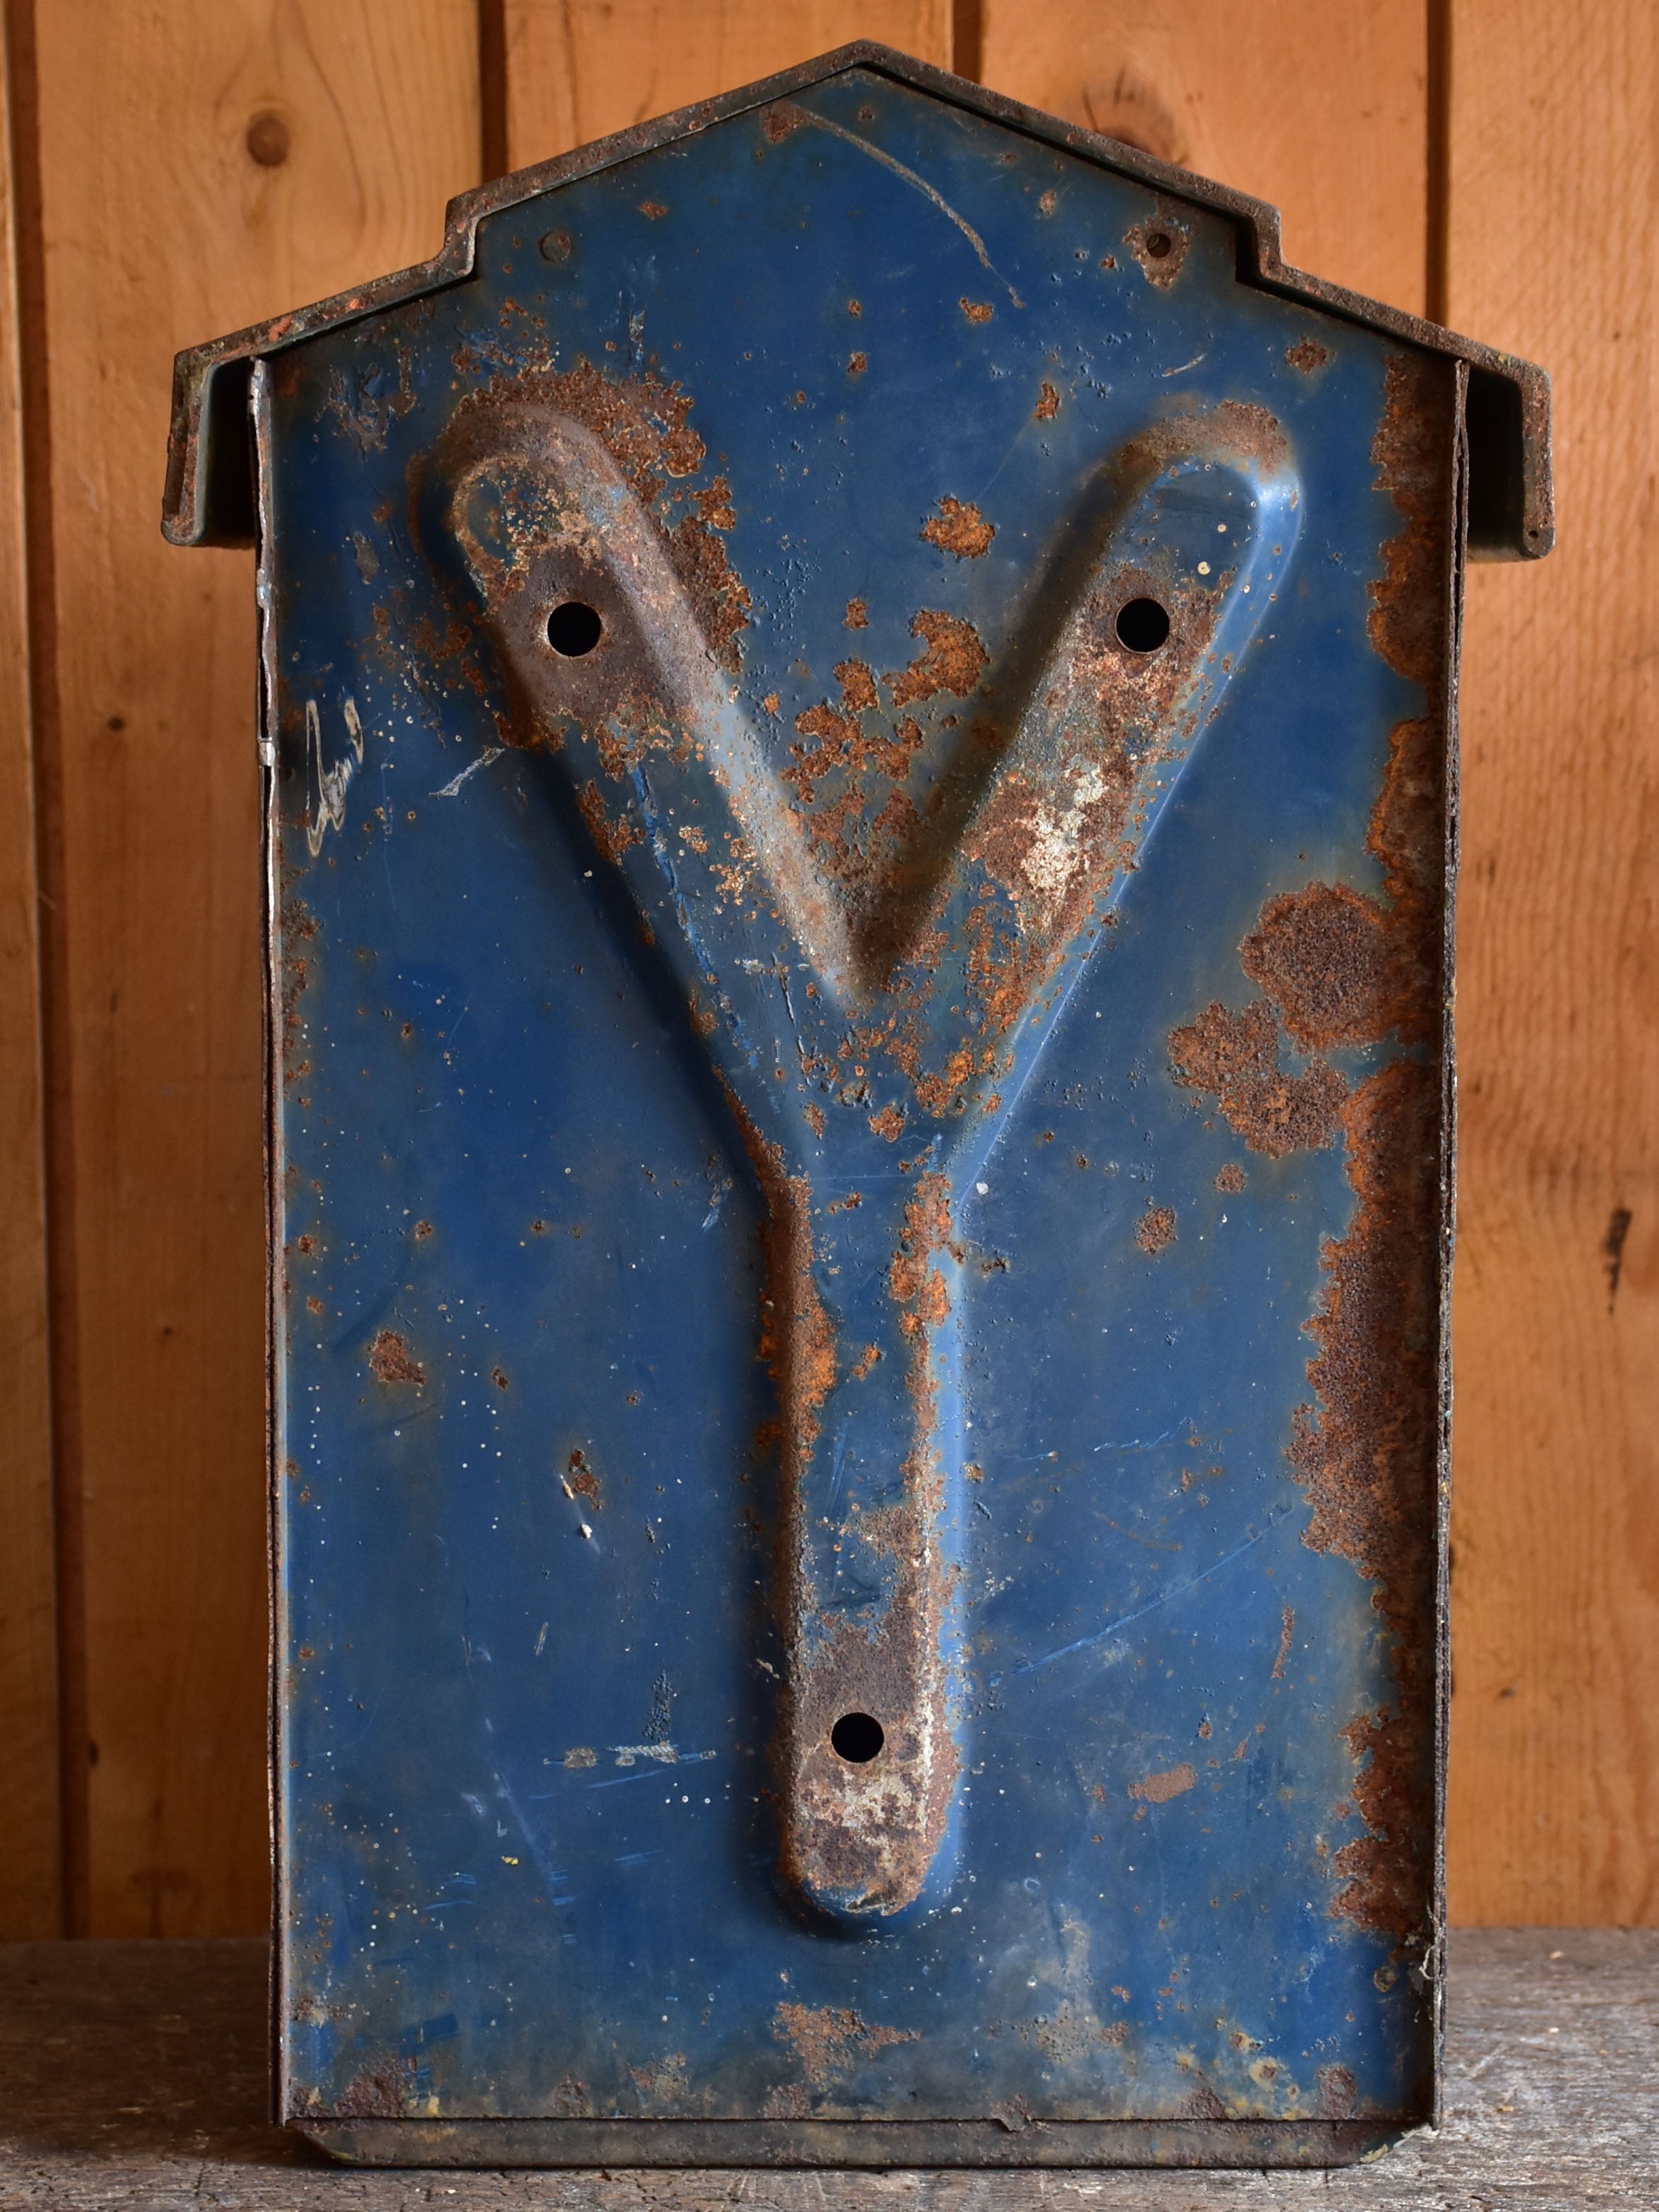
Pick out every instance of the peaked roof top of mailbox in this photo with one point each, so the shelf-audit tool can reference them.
(209, 492)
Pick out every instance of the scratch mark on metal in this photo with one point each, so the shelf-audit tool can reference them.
(331, 784)
(917, 183)
(1164, 1597)
(1148, 1443)
(489, 753)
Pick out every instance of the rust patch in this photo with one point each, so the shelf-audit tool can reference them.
(828, 2038)
(927, 1230)
(1230, 1178)
(612, 838)
(1412, 452)
(1048, 404)
(1365, 1449)
(579, 1481)
(857, 833)
(581, 1754)
(295, 978)
(953, 659)
(1307, 355)
(1071, 2032)
(858, 691)
(389, 1357)
(1365, 1455)
(377, 2093)
(1340, 969)
(1236, 428)
(643, 424)
(1235, 1058)
(1158, 1789)
(1339, 2092)
(857, 364)
(786, 2100)
(1286, 1629)
(664, 2083)
(1160, 244)
(1155, 1229)
(857, 616)
(977, 311)
(781, 120)
(959, 528)
(1335, 967)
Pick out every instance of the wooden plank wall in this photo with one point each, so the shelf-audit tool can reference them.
(1553, 250)
(182, 170)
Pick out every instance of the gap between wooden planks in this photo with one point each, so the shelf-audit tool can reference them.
(31, 1901)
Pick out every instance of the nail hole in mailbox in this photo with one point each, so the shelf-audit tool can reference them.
(1143, 625)
(573, 628)
(857, 1738)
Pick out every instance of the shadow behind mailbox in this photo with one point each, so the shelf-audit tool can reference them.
(857, 710)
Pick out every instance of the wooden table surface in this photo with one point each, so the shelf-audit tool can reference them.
(134, 2075)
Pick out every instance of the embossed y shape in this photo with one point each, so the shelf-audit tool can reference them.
(870, 1026)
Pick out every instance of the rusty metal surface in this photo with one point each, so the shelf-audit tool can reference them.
(210, 499)
(861, 822)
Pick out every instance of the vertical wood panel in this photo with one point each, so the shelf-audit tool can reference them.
(30, 1861)
(577, 70)
(161, 227)
(1319, 105)
(1553, 250)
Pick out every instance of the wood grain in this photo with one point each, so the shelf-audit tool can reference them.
(577, 70)
(1551, 250)
(30, 1862)
(135, 2074)
(1318, 106)
(161, 227)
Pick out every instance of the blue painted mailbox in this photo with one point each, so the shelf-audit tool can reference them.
(857, 706)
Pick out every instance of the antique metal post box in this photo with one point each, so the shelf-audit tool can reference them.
(856, 693)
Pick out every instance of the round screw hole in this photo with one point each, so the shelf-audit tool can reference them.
(573, 628)
(1159, 244)
(857, 1738)
(1143, 625)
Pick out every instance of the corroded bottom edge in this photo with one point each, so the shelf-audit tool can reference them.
(853, 2144)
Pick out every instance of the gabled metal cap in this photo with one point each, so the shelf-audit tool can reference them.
(210, 489)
